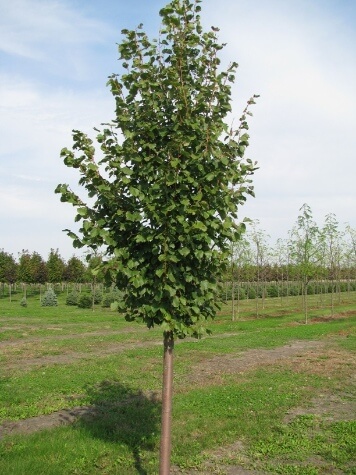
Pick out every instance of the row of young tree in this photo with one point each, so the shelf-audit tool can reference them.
(31, 268)
(310, 253)
(312, 259)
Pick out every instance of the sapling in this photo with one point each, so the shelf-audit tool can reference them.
(49, 298)
(165, 194)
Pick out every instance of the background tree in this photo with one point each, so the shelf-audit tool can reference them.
(306, 251)
(167, 204)
(94, 272)
(240, 259)
(38, 269)
(331, 239)
(349, 254)
(25, 269)
(281, 260)
(55, 267)
(8, 270)
(75, 270)
(259, 248)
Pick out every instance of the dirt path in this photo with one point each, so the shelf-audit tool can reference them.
(71, 336)
(26, 363)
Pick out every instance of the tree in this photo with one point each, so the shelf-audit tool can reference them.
(38, 269)
(260, 251)
(94, 273)
(8, 267)
(25, 273)
(8, 270)
(75, 270)
(350, 253)
(240, 258)
(281, 261)
(305, 249)
(331, 239)
(55, 267)
(165, 208)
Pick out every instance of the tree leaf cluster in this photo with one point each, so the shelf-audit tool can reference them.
(163, 197)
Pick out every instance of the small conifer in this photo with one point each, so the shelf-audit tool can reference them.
(49, 299)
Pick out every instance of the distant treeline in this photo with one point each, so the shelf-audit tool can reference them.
(310, 253)
(33, 269)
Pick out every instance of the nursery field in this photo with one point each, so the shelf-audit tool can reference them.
(80, 391)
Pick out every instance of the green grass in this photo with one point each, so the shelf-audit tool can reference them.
(113, 367)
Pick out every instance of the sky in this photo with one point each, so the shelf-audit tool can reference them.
(298, 55)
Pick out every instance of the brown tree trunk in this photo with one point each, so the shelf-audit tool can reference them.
(165, 452)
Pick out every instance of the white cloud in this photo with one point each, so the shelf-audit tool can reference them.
(300, 58)
(31, 28)
(298, 55)
(53, 35)
(38, 123)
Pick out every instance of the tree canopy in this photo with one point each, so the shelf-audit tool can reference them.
(164, 195)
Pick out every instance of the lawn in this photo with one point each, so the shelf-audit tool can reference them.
(80, 392)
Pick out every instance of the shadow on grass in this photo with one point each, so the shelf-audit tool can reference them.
(123, 416)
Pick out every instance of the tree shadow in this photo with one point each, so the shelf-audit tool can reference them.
(124, 416)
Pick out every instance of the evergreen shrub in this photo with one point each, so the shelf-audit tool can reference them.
(310, 289)
(72, 298)
(113, 296)
(294, 290)
(98, 296)
(272, 290)
(343, 286)
(49, 299)
(85, 301)
(241, 293)
(251, 293)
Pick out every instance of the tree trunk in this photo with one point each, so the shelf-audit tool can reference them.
(165, 452)
(305, 301)
(233, 299)
(332, 297)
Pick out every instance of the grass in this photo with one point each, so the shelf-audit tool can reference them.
(65, 357)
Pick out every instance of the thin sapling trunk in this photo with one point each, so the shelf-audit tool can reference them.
(167, 392)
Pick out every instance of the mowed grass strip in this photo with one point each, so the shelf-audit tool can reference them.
(124, 438)
(213, 407)
(49, 385)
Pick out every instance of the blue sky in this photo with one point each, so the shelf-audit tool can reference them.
(299, 55)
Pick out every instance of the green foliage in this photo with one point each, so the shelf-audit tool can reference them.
(97, 296)
(55, 266)
(23, 302)
(72, 298)
(294, 290)
(49, 298)
(272, 291)
(38, 269)
(114, 306)
(25, 273)
(8, 267)
(32, 268)
(242, 294)
(94, 272)
(251, 293)
(176, 174)
(75, 270)
(110, 297)
(305, 246)
(85, 301)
